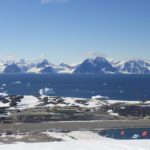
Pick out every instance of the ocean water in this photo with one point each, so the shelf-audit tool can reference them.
(120, 87)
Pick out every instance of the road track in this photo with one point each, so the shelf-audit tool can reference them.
(75, 125)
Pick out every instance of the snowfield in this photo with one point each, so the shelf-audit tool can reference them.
(82, 145)
(28, 102)
(80, 140)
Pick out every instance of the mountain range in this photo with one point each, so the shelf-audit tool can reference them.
(98, 65)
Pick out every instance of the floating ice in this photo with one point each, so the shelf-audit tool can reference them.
(77, 89)
(121, 91)
(47, 91)
(17, 82)
(104, 84)
(3, 94)
(4, 84)
(28, 84)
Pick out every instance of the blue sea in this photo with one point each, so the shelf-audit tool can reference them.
(119, 87)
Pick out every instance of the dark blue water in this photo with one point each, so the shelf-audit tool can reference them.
(128, 133)
(124, 87)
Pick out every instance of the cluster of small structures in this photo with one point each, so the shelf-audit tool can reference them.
(46, 108)
(127, 110)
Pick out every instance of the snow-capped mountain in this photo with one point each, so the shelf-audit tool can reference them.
(12, 68)
(42, 66)
(134, 67)
(39, 66)
(64, 68)
(48, 70)
(97, 65)
(44, 63)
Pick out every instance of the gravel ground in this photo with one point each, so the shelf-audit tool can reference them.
(75, 125)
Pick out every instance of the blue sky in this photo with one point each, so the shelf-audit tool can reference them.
(71, 30)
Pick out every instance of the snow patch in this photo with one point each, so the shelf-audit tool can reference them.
(82, 145)
(28, 102)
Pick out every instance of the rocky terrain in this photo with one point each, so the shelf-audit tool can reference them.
(42, 108)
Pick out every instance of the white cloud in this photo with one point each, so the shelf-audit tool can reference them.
(53, 1)
(46, 1)
(11, 57)
(92, 54)
(42, 56)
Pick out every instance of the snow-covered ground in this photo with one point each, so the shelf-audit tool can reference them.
(29, 101)
(75, 135)
(80, 140)
(82, 145)
(127, 102)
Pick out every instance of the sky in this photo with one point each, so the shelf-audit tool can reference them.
(72, 30)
